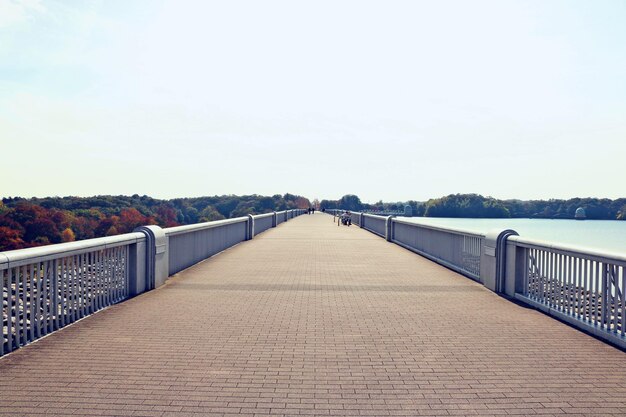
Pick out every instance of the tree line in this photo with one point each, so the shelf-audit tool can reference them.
(40, 221)
(353, 203)
(477, 206)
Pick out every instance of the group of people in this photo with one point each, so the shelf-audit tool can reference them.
(345, 218)
(311, 210)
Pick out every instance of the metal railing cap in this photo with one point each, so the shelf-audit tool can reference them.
(570, 249)
(262, 216)
(374, 216)
(42, 253)
(440, 228)
(171, 231)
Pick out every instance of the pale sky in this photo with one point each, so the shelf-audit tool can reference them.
(391, 100)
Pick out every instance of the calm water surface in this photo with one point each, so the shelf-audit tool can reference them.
(608, 235)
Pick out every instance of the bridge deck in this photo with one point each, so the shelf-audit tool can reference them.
(311, 318)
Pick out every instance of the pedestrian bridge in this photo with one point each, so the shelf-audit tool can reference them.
(306, 318)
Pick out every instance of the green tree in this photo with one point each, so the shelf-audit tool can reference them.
(350, 202)
(210, 214)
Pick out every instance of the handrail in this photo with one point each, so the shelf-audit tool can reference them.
(173, 231)
(26, 256)
(263, 216)
(581, 286)
(374, 216)
(459, 250)
(568, 249)
(49, 287)
(426, 226)
(441, 228)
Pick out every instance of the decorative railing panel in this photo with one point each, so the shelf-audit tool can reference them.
(47, 288)
(580, 284)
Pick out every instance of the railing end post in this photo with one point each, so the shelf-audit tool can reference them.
(516, 280)
(250, 227)
(389, 228)
(156, 256)
(493, 259)
(137, 278)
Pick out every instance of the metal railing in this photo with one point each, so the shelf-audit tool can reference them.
(188, 245)
(47, 288)
(581, 286)
(375, 224)
(281, 216)
(263, 222)
(459, 250)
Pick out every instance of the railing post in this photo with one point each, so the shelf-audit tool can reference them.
(250, 227)
(274, 220)
(362, 220)
(606, 289)
(516, 270)
(389, 228)
(137, 282)
(493, 259)
(157, 257)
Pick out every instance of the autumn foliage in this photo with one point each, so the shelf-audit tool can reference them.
(35, 222)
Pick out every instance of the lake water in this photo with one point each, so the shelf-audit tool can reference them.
(608, 235)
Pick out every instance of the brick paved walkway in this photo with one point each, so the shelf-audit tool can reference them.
(314, 319)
